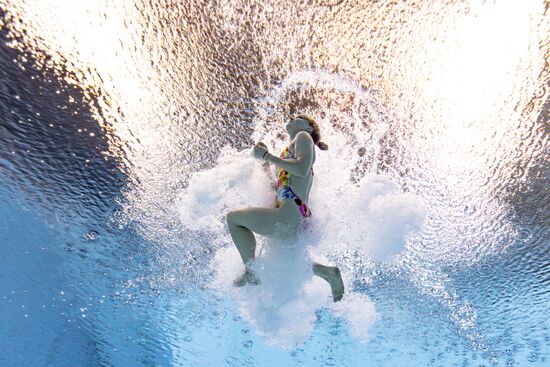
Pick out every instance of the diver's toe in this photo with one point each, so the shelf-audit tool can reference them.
(246, 278)
(240, 281)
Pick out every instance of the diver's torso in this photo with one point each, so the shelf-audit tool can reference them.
(301, 186)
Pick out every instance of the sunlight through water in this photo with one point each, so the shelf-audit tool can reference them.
(126, 136)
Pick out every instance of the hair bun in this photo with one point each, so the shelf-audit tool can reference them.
(322, 145)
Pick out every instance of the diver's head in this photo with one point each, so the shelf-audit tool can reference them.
(309, 125)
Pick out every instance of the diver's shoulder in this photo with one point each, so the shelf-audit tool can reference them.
(304, 136)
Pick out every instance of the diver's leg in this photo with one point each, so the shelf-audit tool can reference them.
(242, 223)
(244, 240)
(332, 275)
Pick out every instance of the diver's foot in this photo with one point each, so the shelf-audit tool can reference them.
(246, 278)
(336, 284)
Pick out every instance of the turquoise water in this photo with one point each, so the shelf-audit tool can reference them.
(124, 142)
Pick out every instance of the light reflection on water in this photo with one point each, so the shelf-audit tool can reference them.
(449, 100)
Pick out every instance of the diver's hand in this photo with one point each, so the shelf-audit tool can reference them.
(260, 150)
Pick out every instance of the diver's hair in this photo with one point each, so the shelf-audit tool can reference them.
(316, 133)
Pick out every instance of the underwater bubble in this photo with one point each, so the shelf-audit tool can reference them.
(68, 247)
(91, 235)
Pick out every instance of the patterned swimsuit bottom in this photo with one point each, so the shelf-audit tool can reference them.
(284, 191)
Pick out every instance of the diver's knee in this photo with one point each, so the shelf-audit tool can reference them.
(231, 217)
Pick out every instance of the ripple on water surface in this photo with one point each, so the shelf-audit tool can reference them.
(123, 129)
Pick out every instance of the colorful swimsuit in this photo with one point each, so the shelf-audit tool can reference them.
(284, 191)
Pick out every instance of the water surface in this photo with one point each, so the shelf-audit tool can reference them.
(113, 113)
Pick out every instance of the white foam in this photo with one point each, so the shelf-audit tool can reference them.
(212, 193)
(282, 308)
(372, 217)
(360, 313)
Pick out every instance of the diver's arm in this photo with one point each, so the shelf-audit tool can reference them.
(302, 164)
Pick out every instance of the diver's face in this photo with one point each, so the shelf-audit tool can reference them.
(296, 125)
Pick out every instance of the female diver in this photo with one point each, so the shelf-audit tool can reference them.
(294, 179)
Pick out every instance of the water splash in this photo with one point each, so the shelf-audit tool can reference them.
(372, 218)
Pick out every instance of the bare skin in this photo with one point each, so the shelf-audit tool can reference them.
(332, 275)
(283, 222)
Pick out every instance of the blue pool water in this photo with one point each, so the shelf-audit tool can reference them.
(124, 140)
